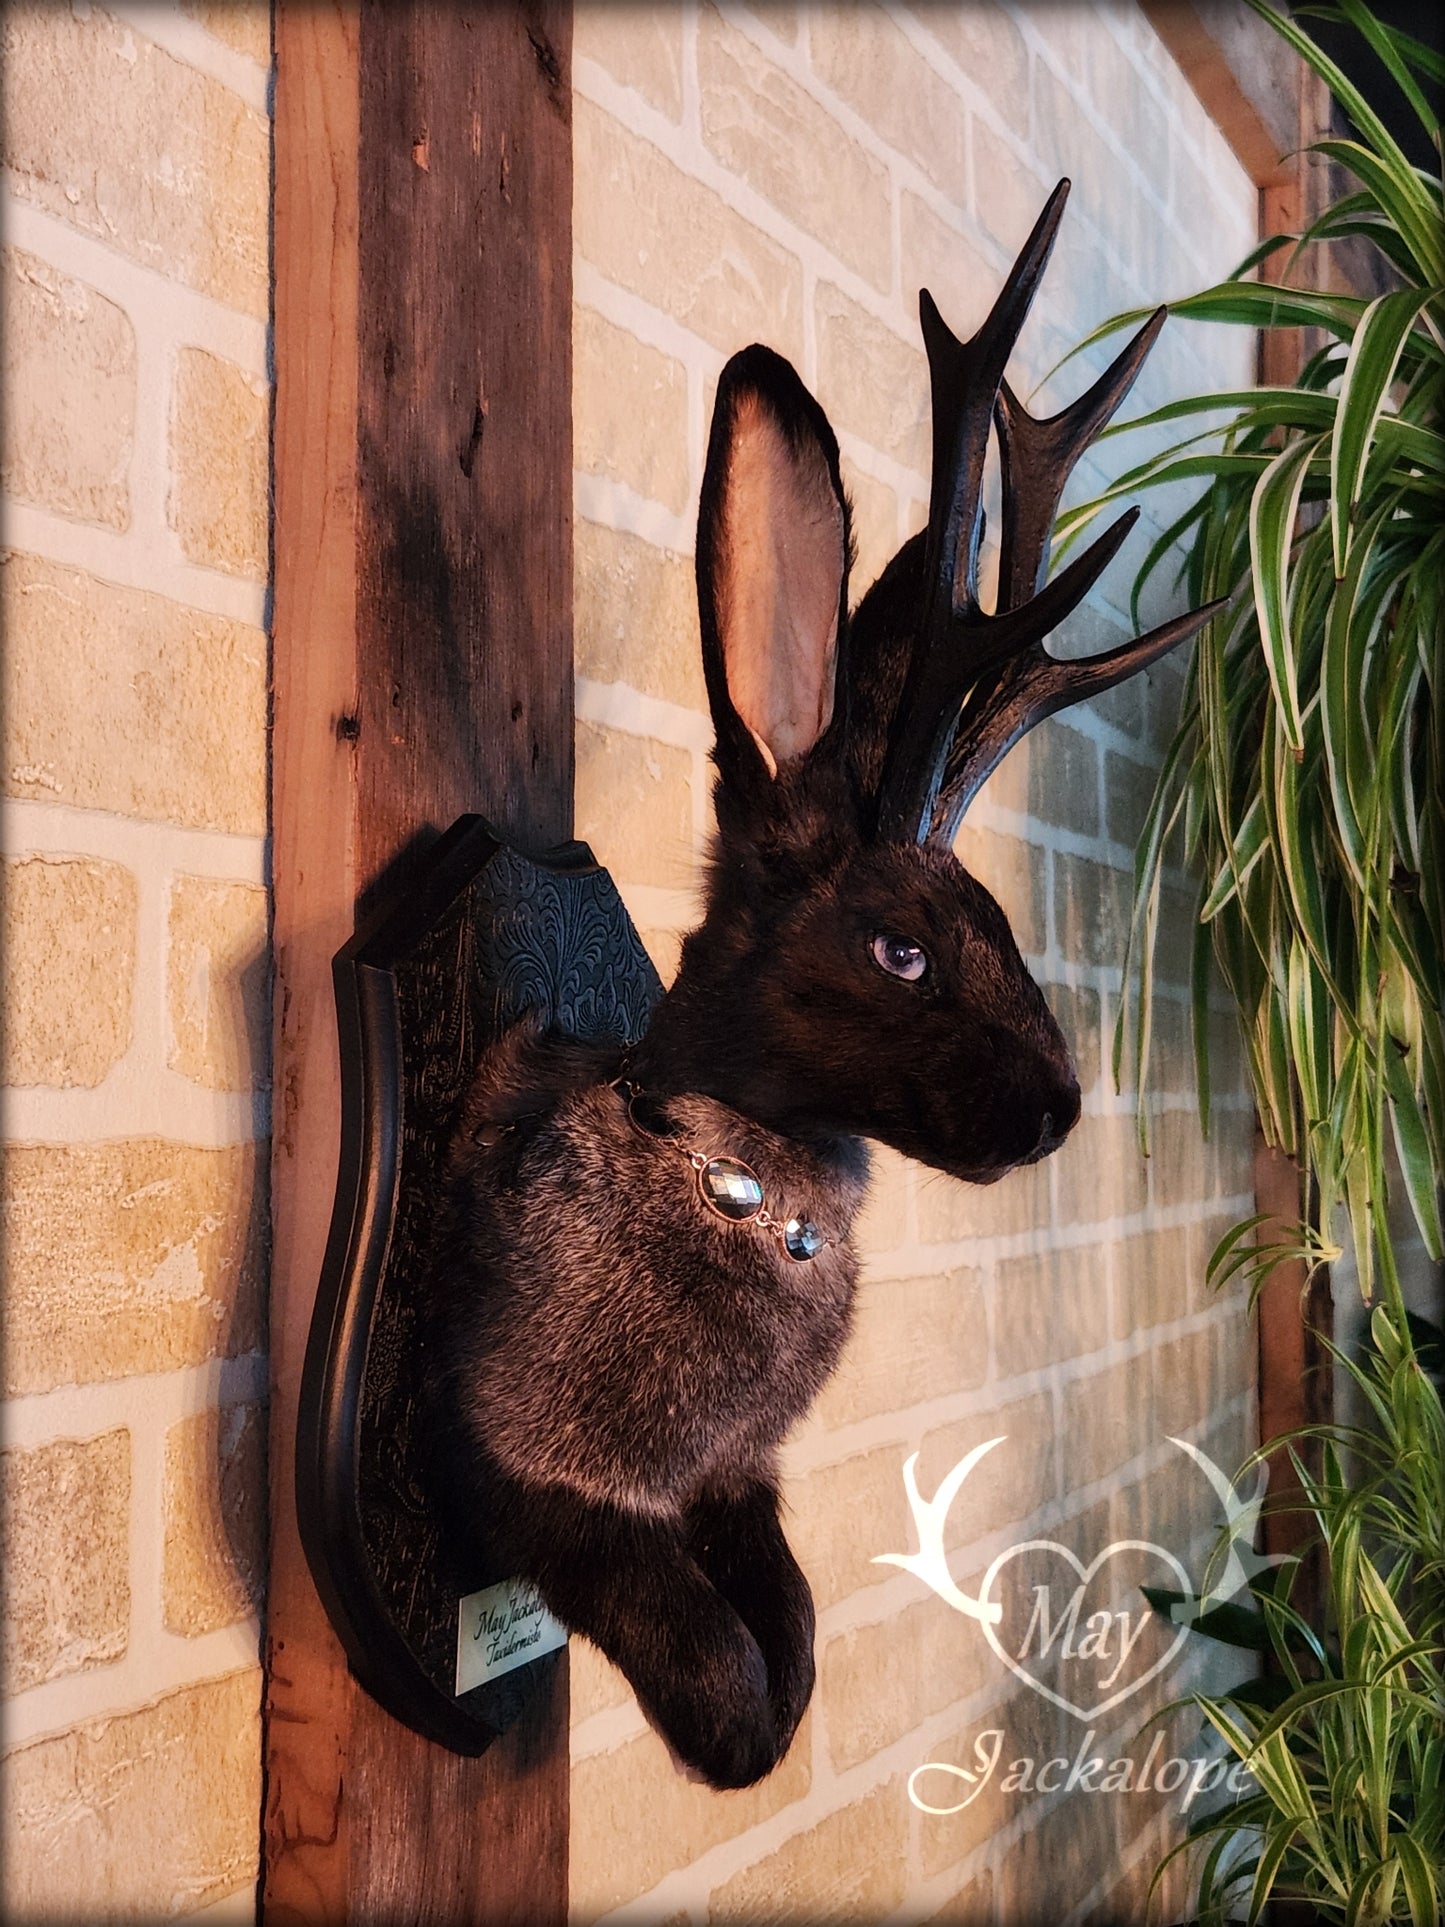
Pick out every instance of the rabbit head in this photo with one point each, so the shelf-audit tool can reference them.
(850, 976)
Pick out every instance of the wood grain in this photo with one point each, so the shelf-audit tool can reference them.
(422, 667)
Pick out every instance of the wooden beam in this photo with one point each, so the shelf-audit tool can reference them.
(1245, 75)
(423, 667)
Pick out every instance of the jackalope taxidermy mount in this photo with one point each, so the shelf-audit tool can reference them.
(645, 1274)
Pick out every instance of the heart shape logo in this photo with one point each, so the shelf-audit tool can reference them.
(992, 1621)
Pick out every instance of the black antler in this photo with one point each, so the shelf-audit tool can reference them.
(977, 682)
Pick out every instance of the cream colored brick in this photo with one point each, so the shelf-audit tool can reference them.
(1128, 792)
(1049, 1306)
(870, 381)
(912, 1341)
(143, 180)
(122, 140)
(634, 805)
(636, 615)
(128, 1257)
(971, 1906)
(215, 1545)
(950, 1211)
(861, 54)
(218, 983)
(1064, 779)
(1191, 1379)
(840, 1516)
(1015, 873)
(1107, 1419)
(634, 1818)
(1100, 1172)
(630, 411)
(1031, 1727)
(882, 1225)
(244, 25)
(767, 130)
(596, 1685)
(651, 228)
(70, 925)
(1071, 1847)
(850, 1867)
(875, 526)
(988, 49)
(1068, 144)
(63, 1550)
(1152, 1279)
(939, 256)
(1007, 785)
(1171, 1045)
(139, 1816)
(1185, 1165)
(779, 17)
(70, 384)
(1010, 1482)
(878, 1682)
(118, 700)
(640, 46)
(220, 450)
(1008, 195)
(1078, 1012)
(1091, 909)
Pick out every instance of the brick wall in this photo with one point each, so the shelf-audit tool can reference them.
(136, 301)
(794, 175)
(779, 174)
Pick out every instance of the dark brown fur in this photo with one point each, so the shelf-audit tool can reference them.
(619, 1365)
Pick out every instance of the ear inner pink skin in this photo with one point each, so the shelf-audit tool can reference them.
(781, 556)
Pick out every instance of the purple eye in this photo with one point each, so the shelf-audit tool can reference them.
(899, 957)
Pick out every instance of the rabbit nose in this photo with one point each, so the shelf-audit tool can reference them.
(1058, 1121)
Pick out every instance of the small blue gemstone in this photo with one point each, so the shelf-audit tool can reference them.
(802, 1238)
(731, 1189)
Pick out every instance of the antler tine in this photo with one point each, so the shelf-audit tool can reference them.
(964, 379)
(1030, 688)
(1037, 456)
(976, 649)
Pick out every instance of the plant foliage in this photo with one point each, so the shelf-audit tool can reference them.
(1306, 785)
(1346, 1740)
(1307, 776)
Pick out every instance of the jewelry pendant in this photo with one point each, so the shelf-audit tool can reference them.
(730, 1188)
(802, 1239)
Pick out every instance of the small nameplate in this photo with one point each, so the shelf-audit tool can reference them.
(501, 1628)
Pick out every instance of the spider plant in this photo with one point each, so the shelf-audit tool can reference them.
(1307, 776)
(1345, 1740)
(1305, 788)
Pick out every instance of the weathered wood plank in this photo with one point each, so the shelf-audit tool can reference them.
(308, 1689)
(423, 666)
(465, 415)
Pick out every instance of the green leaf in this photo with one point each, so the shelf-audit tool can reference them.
(1402, 196)
(1422, 1889)
(1373, 358)
(1412, 1142)
(1273, 512)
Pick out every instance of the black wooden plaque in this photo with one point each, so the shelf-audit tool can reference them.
(482, 935)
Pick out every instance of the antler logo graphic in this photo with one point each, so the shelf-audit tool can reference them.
(930, 1562)
(1093, 1639)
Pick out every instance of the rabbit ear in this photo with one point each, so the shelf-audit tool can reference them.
(772, 567)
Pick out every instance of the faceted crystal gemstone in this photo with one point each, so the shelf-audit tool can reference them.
(802, 1238)
(731, 1189)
